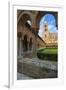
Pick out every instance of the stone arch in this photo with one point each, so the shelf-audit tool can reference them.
(24, 16)
(43, 13)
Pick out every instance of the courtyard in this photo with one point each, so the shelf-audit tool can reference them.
(37, 44)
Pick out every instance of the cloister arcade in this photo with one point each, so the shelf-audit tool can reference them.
(28, 39)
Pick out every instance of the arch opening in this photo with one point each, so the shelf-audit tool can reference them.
(25, 17)
(51, 22)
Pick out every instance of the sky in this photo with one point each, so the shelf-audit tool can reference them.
(29, 22)
(49, 18)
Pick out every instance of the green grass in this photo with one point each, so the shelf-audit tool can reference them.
(48, 53)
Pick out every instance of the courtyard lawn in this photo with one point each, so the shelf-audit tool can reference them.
(49, 51)
(48, 54)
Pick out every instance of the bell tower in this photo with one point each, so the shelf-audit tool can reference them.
(46, 33)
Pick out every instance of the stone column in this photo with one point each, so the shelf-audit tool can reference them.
(27, 46)
(19, 34)
(32, 47)
(28, 40)
(20, 48)
(35, 43)
(17, 46)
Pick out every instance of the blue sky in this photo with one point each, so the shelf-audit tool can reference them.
(49, 18)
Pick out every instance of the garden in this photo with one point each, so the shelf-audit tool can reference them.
(48, 54)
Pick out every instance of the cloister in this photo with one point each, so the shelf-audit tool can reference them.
(28, 40)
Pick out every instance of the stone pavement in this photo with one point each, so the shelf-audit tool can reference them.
(41, 63)
(22, 76)
(30, 68)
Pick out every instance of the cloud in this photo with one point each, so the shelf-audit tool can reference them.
(52, 28)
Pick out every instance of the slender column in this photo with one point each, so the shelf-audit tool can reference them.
(28, 40)
(20, 48)
(27, 46)
(32, 47)
(17, 46)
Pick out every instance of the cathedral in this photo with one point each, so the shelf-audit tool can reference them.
(50, 38)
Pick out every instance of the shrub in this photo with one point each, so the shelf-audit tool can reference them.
(48, 54)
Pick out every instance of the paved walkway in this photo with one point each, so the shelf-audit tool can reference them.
(41, 63)
(22, 76)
